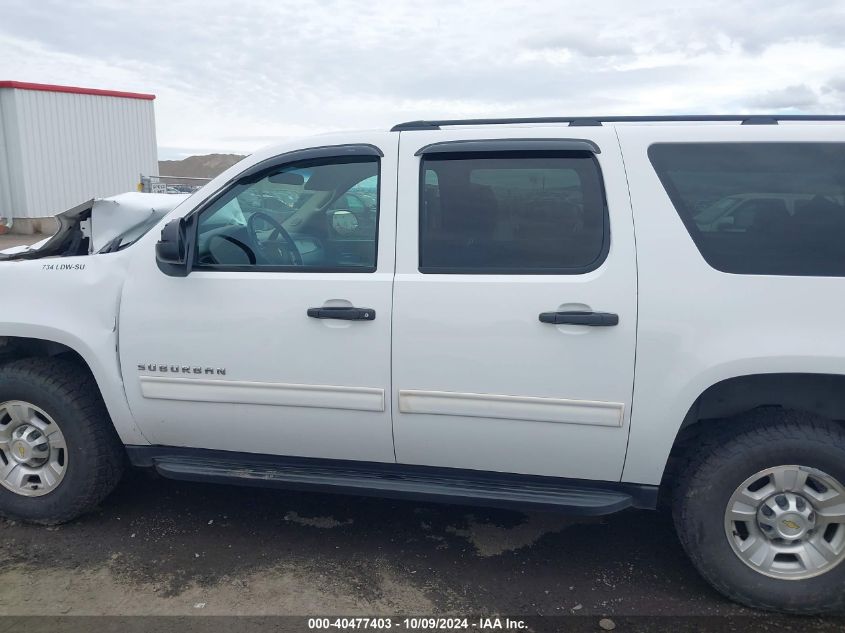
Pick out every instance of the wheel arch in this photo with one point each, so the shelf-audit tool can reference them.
(821, 394)
(41, 341)
(722, 404)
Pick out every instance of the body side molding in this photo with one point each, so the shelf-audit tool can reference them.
(266, 393)
(530, 409)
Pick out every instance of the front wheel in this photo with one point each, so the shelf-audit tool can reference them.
(59, 453)
(761, 513)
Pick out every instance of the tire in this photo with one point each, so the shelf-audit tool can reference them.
(764, 441)
(93, 458)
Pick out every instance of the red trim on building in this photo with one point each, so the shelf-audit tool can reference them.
(22, 85)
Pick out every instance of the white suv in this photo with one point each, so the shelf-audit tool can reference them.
(525, 313)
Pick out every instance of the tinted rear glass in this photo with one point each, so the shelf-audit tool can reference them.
(760, 208)
(528, 213)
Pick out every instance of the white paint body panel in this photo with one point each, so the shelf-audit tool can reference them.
(476, 380)
(23, 248)
(480, 334)
(114, 216)
(59, 149)
(75, 303)
(699, 326)
(75, 300)
(324, 380)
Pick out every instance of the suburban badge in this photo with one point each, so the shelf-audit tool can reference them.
(160, 368)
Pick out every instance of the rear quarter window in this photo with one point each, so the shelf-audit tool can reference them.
(760, 208)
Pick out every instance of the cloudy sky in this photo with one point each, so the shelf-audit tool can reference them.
(232, 76)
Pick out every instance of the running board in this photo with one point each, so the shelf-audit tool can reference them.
(445, 485)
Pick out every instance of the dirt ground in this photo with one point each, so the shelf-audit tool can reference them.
(158, 547)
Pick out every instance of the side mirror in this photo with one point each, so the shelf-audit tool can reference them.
(171, 249)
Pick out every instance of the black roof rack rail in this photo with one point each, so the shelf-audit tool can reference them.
(745, 119)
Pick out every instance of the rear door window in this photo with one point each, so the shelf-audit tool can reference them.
(512, 213)
(760, 208)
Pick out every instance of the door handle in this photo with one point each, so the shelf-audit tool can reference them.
(578, 317)
(342, 312)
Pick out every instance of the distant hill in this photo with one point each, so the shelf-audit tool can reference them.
(207, 166)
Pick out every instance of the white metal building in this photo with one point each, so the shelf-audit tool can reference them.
(62, 145)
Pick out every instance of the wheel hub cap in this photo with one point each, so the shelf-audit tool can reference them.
(787, 516)
(30, 446)
(788, 522)
(33, 453)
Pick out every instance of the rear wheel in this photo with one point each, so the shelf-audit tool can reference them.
(761, 513)
(788, 522)
(59, 453)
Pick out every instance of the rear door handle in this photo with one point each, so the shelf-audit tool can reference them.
(578, 317)
(343, 313)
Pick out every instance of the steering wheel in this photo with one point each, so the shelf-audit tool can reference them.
(278, 231)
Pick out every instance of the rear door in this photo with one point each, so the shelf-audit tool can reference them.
(514, 301)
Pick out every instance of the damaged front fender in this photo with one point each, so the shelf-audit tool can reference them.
(100, 225)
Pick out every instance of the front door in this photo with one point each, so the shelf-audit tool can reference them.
(278, 341)
(515, 301)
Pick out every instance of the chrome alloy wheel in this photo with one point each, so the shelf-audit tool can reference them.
(33, 453)
(788, 522)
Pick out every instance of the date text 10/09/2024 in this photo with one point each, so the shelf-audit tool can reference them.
(418, 623)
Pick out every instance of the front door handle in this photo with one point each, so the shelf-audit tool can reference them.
(342, 312)
(578, 317)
